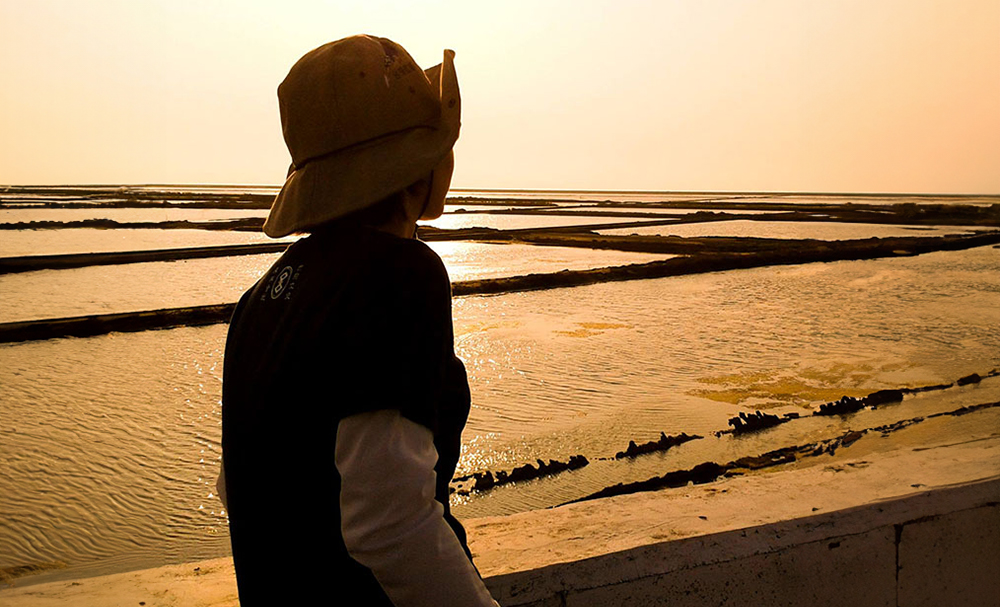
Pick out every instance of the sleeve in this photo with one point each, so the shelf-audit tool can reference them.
(391, 522)
(220, 486)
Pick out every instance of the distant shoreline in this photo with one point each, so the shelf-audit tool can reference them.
(5, 188)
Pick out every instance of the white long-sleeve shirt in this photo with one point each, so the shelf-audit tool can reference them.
(391, 521)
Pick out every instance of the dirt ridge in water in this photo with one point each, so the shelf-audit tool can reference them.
(798, 253)
(711, 471)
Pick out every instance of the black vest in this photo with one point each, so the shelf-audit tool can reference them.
(348, 320)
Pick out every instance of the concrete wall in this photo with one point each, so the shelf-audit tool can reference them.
(936, 548)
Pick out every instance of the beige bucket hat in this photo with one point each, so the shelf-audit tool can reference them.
(361, 121)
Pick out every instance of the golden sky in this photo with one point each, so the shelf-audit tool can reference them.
(780, 95)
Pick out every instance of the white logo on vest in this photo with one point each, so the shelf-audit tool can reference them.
(281, 283)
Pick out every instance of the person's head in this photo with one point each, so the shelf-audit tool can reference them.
(422, 199)
(369, 133)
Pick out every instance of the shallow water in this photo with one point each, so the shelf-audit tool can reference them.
(707, 198)
(559, 196)
(516, 222)
(640, 208)
(89, 240)
(127, 215)
(194, 282)
(107, 446)
(745, 228)
(172, 213)
(684, 354)
(110, 444)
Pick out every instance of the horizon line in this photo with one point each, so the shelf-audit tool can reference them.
(516, 190)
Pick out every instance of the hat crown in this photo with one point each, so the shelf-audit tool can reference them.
(352, 91)
(361, 121)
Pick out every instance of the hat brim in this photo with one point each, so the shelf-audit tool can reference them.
(356, 177)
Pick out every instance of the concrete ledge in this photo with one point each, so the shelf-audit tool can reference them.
(939, 547)
(961, 551)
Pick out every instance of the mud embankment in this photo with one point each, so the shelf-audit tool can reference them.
(124, 197)
(743, 424)
(704, 255)
(246, 224)
(708, 260)
(792, 251)
(31, 263)
(664, 443)
(483, 481)
(125, 322)
(899, 214)
(711, 471)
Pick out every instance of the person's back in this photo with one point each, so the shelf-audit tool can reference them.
(316, 340)
(343, 401)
